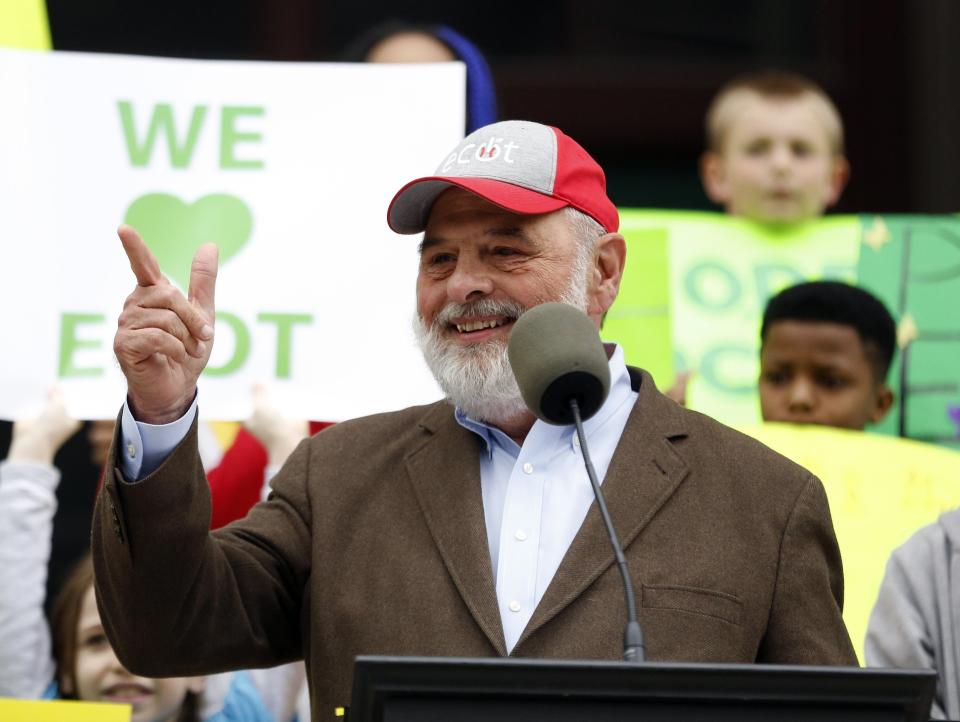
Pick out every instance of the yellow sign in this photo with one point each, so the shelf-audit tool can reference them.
(881, 490)
(23, 24)
(640, 319)
(225, 432)
(21, 710)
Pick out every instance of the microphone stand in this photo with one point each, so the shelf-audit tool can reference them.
(633, 646)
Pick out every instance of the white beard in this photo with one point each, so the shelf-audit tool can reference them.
(478, 379)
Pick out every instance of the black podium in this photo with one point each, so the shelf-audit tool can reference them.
(408, 689)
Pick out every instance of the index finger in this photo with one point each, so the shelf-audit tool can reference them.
(142, 261)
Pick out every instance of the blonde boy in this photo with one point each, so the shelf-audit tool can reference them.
(774, 149)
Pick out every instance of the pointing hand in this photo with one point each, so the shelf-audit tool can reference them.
(164, 340)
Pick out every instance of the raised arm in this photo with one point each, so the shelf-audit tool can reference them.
(278, 434)
(28, 502)
(176, 600)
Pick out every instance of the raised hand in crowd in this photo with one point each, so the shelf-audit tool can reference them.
(278, 434)
(37, 440)
(678, 391)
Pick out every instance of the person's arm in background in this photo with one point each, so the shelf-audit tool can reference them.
(898, 631)
(242, 477)
(28, 502)
(277, 434)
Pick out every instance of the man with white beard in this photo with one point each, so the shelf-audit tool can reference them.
(465, 527)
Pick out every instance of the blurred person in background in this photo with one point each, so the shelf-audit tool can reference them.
(70, 657)
(774, 149)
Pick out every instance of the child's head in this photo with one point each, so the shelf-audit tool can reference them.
(825, 351)
(397, 41)
(87, 668)
(409, 46)
(774, 149)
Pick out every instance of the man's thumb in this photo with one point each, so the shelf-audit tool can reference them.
(203, 277)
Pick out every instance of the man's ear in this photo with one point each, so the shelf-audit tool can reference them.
(196, 684)
(610, 258)
(714, 178)
(839, 176)
(66, 686)
(884, 402)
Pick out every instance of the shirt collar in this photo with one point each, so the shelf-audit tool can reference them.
(620, 392)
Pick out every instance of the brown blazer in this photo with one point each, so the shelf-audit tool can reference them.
(373, 542)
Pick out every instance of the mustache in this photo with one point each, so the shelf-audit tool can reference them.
(483, 307)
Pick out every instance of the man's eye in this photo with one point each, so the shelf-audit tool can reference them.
(801, 150)
(758, 147)
(440, 258)
(504, 251)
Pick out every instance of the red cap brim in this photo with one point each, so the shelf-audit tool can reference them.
(410, 207)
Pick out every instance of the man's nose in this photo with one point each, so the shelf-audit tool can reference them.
(469, 281)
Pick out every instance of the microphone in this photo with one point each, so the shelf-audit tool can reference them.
(556, 354)
(562, 370)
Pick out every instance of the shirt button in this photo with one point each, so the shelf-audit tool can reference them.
(528, 468)
(520, 535)
(131, 451)
(576, 440)
(514, 606)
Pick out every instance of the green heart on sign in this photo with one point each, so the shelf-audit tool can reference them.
(174, 230)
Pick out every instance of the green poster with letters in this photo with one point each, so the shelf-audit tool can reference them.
(696, 284)
(695, 289)
(640, 319)
(913, 264)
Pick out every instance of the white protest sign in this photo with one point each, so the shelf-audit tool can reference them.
(288, 167)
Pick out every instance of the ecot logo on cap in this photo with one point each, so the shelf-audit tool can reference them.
(493, 149)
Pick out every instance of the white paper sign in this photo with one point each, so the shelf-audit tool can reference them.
(288, 167)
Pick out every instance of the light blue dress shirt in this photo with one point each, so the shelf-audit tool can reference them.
(535, 496)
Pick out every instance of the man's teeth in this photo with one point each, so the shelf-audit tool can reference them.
(478, 325)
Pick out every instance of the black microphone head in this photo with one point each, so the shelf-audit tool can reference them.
(556, 355)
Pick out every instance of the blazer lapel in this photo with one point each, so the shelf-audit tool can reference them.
(445, 475)
(644, 473)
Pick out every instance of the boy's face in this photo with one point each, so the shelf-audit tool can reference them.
(775, 164)
(814, 372)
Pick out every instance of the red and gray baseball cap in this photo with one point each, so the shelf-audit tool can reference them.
(518, 165)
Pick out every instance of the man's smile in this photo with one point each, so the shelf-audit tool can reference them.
(471, 325)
